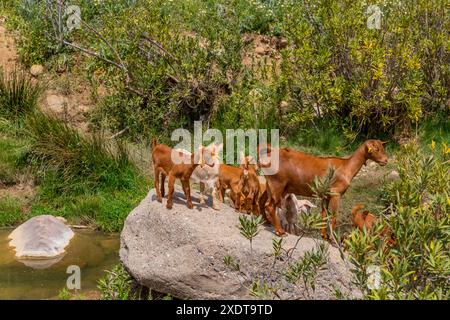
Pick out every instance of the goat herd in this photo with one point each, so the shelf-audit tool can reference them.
(275, 198)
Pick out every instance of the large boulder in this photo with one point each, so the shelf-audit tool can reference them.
(41, 237)
(181, 252)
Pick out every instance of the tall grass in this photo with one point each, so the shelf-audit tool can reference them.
(71, 161)
(11, 211)
(18, 95)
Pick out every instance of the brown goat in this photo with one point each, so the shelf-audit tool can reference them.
(366, 220)
(297, 171)
(255, 206)
(229, 177)
(164, 165)
(242, 181)
(362, 220)
(248, 187)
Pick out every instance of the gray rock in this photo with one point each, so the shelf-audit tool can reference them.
(372, 164)
(41, 237)
(393, 175)
(36, 70)
(181, 252)
(56, 103)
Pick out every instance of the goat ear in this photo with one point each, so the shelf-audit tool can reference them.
(384, 142)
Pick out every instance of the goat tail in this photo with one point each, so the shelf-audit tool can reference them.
(154, 143)
(356, 208)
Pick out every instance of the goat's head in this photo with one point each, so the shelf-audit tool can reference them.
(204, 156)
(247, 164)
(198, 158)
(291, 207)
(211, 154)
(305, 206)
(375, 151)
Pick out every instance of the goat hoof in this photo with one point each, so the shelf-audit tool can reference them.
(216, 208)
(169, 206)
(201, 201)
(190, 206)
(280, 233)
(159, 199)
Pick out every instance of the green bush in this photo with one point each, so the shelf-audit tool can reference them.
(333, 69)
(34, 45)
(417, 266)
(117, 284)
(371, 80)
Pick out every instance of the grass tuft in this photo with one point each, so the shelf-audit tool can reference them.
(18, 95)
(72, 162)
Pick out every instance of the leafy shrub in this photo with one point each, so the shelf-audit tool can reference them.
(34, 45)
(333, 68)
(117, 284)
(372, 80)
(417, 266)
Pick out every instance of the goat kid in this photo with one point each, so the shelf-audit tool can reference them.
(164, 165)
(207, 176)
(248, 187)
(289, 212)
(235, 179)
(366, 220)
(255, 207)
(297, 171)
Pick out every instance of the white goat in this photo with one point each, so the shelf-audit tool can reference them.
(208, 175)
(289, 211)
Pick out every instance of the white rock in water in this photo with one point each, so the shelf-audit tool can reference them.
(41, 237)
(41, 263)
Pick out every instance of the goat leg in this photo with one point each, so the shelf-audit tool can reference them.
(214, 198)
(262, 204)
(273, 219)
(237, 202)
(220, 190)
(334, 207)
(202, 193)
(169, 204)
(163, 180)
(187, 193)
(157, 185)
(249, 202)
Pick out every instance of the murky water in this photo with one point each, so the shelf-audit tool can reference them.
(92, 251)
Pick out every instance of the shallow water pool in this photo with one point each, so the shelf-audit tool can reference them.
(94, 252)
